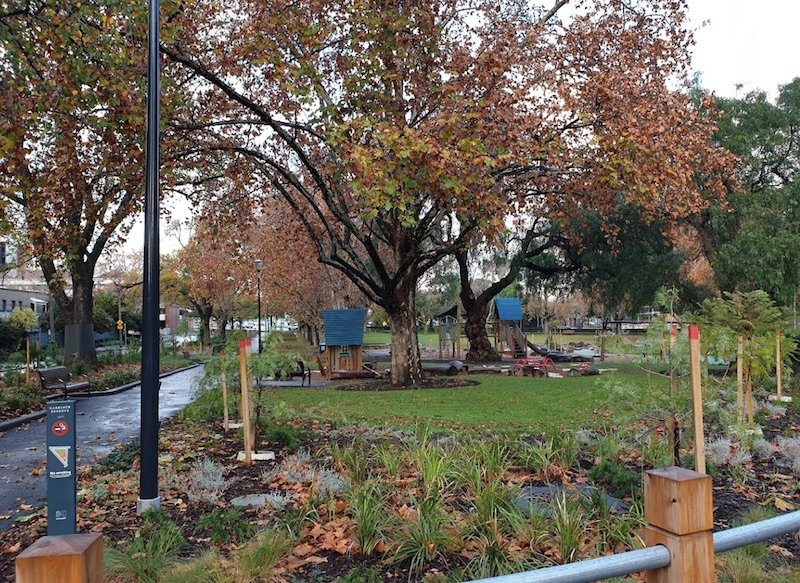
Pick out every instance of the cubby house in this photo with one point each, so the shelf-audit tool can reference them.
(344, 339)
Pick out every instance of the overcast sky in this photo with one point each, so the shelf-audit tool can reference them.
(754, 43)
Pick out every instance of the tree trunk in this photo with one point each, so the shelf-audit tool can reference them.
(480, 347)
(79, 324)
(406, 366)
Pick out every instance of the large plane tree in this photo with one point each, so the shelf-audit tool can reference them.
(403, 132)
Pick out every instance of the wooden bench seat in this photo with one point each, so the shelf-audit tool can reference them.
(58, 378)
(302, 372)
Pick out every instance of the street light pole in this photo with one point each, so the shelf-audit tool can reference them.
(258, 265)
(148, 473)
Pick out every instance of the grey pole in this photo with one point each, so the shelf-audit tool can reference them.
(259, 264)
(148, 475)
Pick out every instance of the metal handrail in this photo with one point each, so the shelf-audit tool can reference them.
(592, 569)
(649, 558)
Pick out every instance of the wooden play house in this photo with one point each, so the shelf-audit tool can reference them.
(506, 319)
(344, 339)
(450, 329)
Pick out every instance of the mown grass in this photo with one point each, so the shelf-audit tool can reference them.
(499, 402)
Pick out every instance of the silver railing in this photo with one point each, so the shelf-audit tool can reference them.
(652, 557)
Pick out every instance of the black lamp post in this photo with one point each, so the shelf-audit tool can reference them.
(259, 265)
(148, 473)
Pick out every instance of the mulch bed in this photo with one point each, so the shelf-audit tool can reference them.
(108, 497)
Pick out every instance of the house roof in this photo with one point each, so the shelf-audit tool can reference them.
(508, 309)
(344, 327)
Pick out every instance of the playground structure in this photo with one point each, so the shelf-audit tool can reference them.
(506, 322)
(344, 340)
(450, 329)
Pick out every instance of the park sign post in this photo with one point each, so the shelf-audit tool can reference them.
(61, 481)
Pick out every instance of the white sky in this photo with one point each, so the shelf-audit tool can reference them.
(750, 42)
(754, 43)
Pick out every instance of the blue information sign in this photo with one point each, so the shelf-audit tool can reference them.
(61, 479)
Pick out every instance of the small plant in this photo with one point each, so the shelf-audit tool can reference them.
(208, 568)
(434, 467)
(80, 368)
(493, 456)
(153, 550)
(361, 575)
(389, 457)
(225, 525)
(539, 457)
(277, 501)
(121, 459)
(206, 482)
(367, 507)
(620, 480)
(256, 560)
(294, 519)
(354, 463)
(568, 527)
(424, 537)
(284, 435)
(762, 448)
(719, 451)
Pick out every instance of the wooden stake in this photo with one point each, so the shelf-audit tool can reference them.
(28, 359)
(673, 437)
(225, 420)
(740, 380)
(697, 400)
(248, 447)
(778, 363)
(248, 350)
(749, 396)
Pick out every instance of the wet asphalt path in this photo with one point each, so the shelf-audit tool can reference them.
(102, 422)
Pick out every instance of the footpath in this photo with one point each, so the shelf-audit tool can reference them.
(103, 421)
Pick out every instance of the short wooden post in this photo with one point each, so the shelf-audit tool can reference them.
(72, 558)
(740, 380)
(679, 514)
(697, 400)
(778, 363)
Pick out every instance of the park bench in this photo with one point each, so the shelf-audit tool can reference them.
(302, 372)
(58, 378)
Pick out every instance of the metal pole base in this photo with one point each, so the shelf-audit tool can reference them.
(143, 506)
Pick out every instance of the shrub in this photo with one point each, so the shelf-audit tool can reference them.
(225, 525)
(256, 560)
(121, 459)
(206, 481)
(620, 480)
(152, 551)
(79, 368)
(285, 435)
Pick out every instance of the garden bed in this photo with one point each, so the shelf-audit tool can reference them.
(365, 503)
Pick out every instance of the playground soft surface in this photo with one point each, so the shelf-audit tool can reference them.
(498, 402)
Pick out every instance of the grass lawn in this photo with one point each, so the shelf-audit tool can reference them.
(499, 402)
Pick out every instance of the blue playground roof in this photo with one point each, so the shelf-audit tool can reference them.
(344, 327)
(508, 309)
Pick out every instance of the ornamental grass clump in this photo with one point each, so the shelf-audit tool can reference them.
(154, 549)
(366, 504)
(257, 559)
(423, 538)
